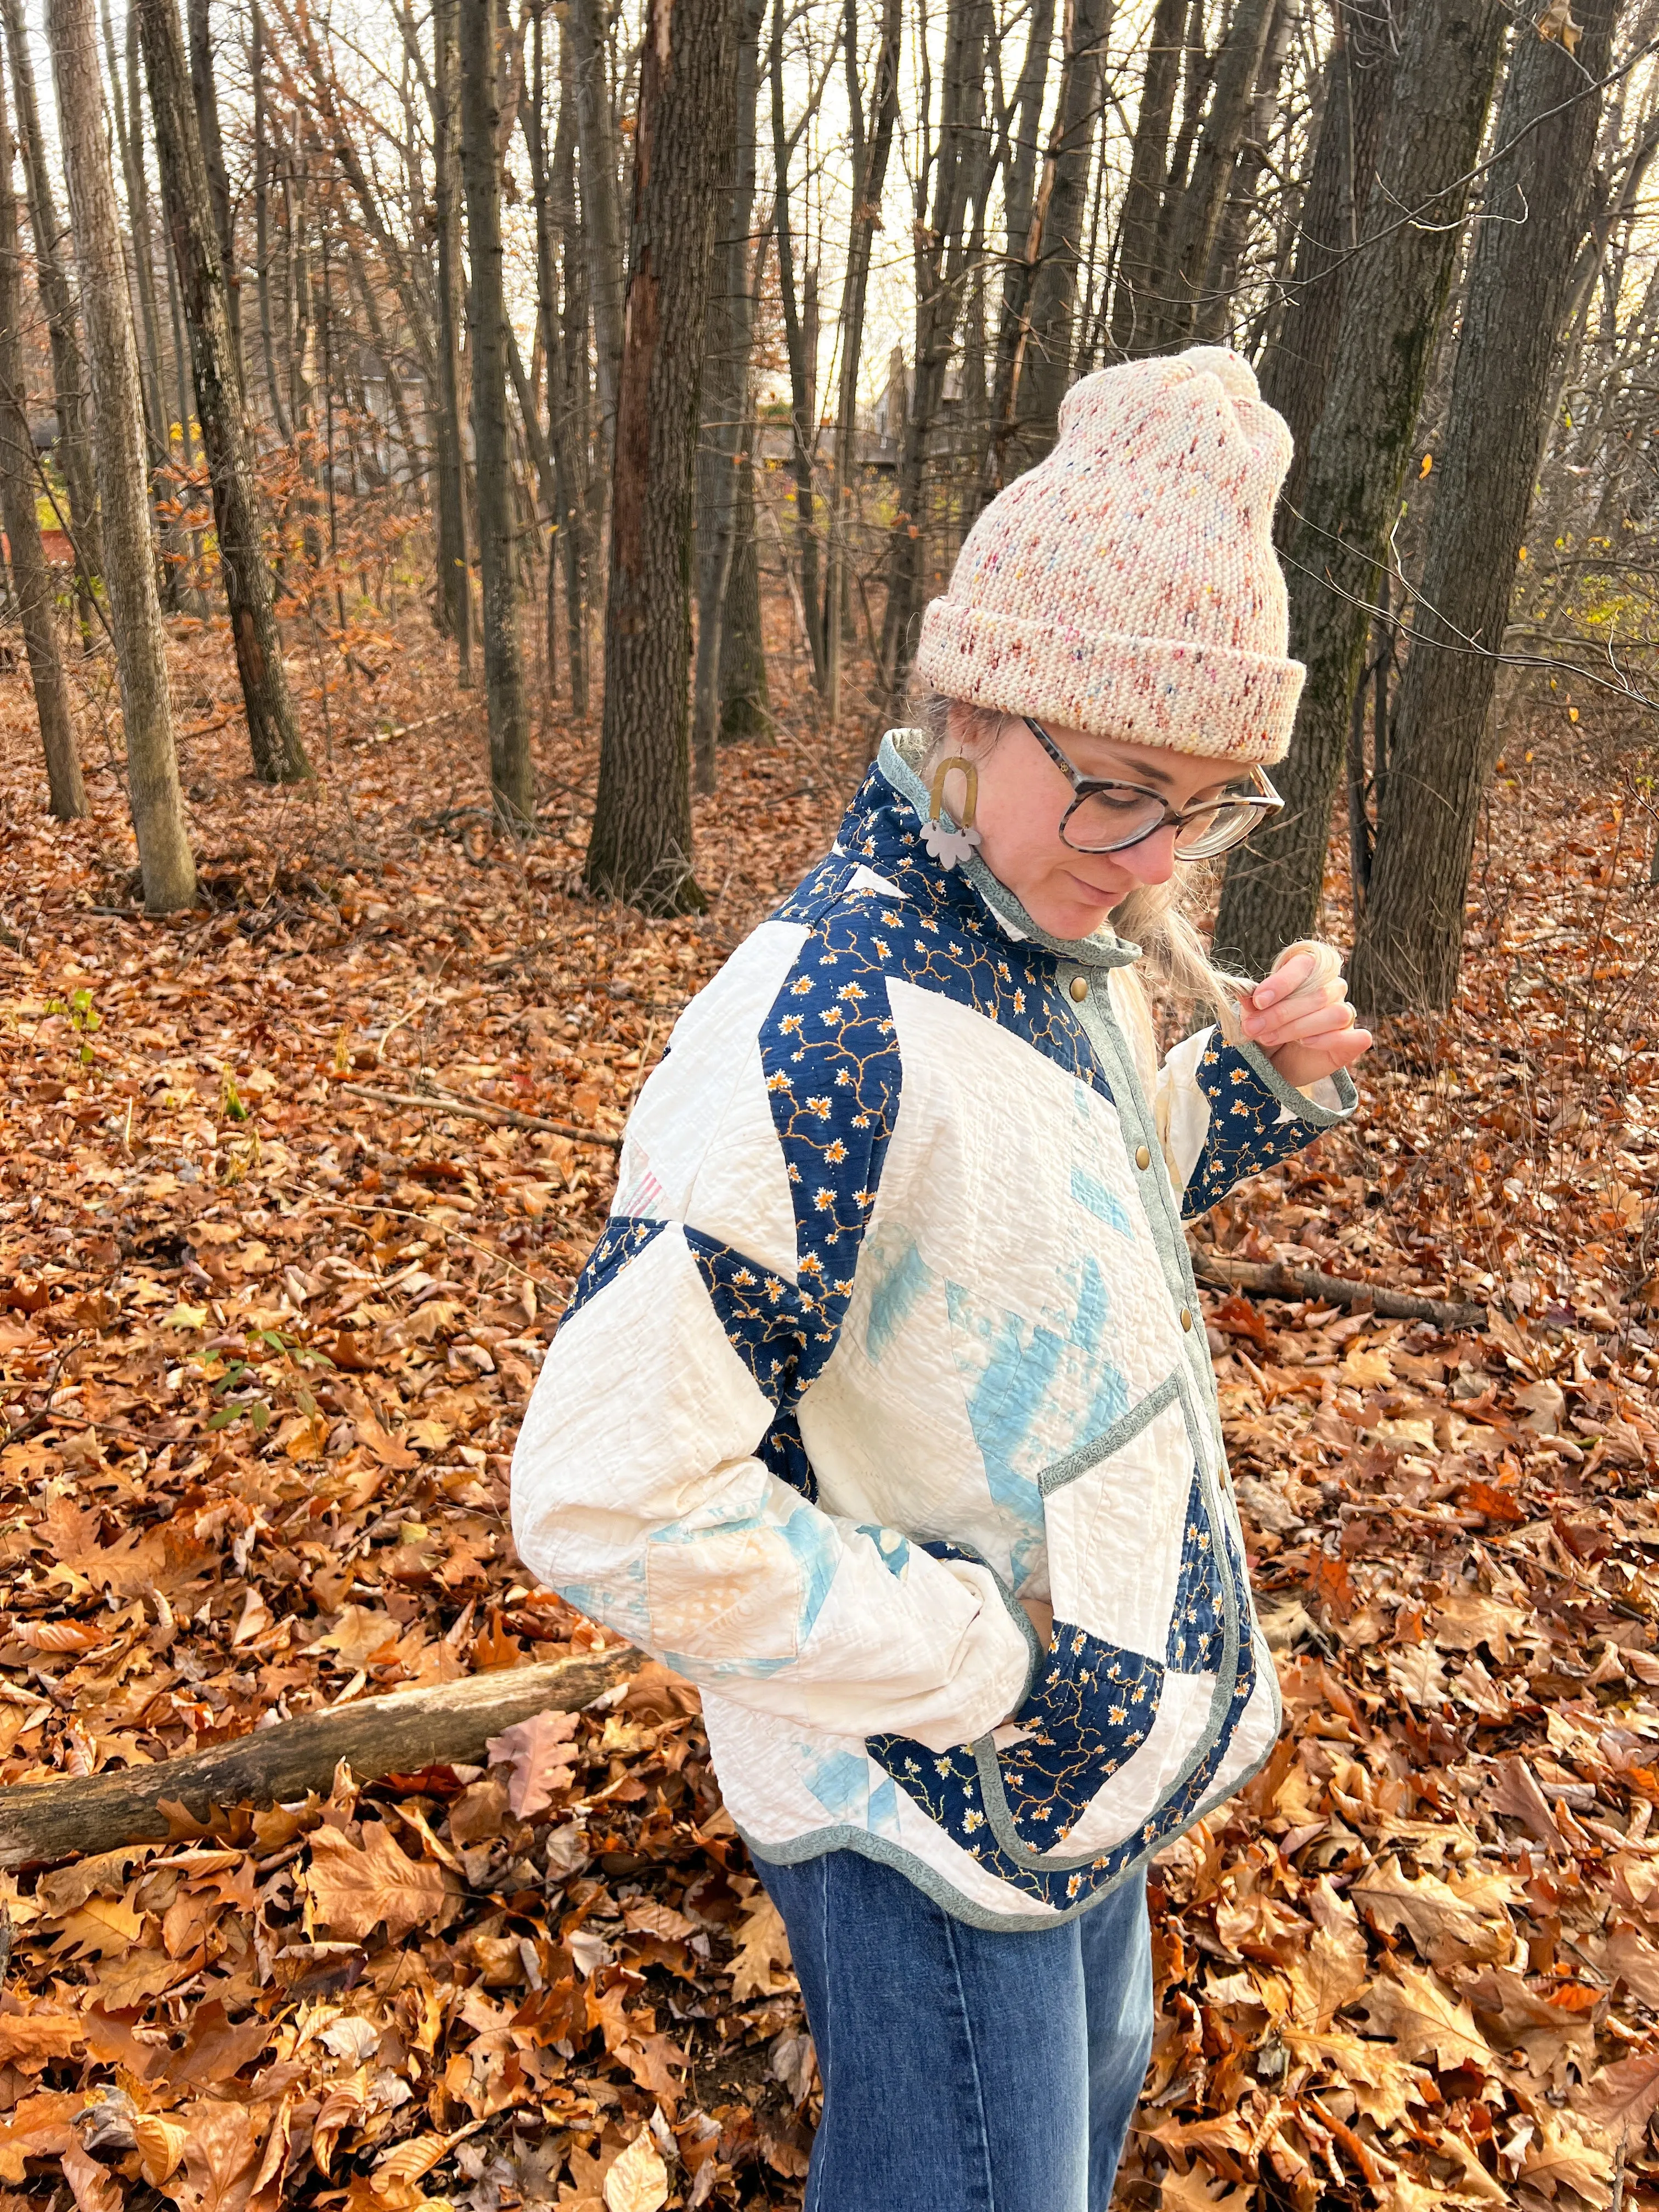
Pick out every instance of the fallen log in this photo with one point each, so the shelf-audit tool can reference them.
(398, 1734)
(477, 1109)
(1274, 1279)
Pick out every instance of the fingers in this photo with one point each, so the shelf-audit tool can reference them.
(1284, 982)
(1325, 1005)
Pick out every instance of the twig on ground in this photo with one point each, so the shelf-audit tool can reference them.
(1274, 1280)
(473, 1109)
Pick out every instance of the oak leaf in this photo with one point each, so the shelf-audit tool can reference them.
(638, 2182)
(763, 1943)
(1445, 1925)
(221, 2155)
(1561, 2158)
(96, 2189)
(33, 2039)
(540, 1753)
(1426, 2022)
(1619, 2101)
(352, 1890)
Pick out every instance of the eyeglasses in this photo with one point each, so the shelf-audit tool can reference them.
(1104, 816)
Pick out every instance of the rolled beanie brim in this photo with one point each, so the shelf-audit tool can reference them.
(1216, 701)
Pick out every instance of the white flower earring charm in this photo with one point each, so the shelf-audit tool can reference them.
(948, 843)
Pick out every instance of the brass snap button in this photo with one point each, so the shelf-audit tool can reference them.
(1142, 1157)
(1186, 1316)
(1080, 987)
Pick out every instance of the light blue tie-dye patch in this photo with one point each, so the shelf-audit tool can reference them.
(901, 1278)
(883, 1817)
(892, 1544)
(840, 1780)
(1090, 1192)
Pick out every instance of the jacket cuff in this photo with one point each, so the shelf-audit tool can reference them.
(1301, 1104)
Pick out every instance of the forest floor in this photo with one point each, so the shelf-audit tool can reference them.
(264, 1343)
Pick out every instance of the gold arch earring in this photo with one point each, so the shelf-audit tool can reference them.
(946, 841)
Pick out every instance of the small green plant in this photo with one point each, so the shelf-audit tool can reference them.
(82, 1017)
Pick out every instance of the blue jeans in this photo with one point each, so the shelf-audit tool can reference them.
(963, 2070)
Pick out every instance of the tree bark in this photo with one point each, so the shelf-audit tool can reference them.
(1197, 216)
(1296, 370)
(511, 780)
(1062, 198)
(69, 370)
(1217, 305)
(601, 210)
(401, 1733)
(1134, 293)
(1538, 205)
(728, 326)
(158, 813)
(1024, 245)
(868, 182)
(940, 259)
(454, 573)
(1356, 470)
(279, 756)
(567, 342)
(262, 225)
(641, 846)
(31, 582)
(205, 95)
(745, 703)
(800, 342)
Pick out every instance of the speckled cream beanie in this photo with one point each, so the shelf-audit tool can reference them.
(1127, 584)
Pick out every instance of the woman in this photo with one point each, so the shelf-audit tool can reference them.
(884, 1409)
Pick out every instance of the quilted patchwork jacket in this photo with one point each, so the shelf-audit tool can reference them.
(892, 1323)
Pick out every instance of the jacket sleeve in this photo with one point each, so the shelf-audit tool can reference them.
(1225, 1112)
(659, 1481)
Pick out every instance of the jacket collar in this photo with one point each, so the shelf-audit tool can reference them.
(882, 829)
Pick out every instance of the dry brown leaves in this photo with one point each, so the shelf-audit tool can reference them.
(263, 1351)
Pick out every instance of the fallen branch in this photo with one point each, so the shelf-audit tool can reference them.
(1274, 1279)
(475, 1109)
(395, 1734)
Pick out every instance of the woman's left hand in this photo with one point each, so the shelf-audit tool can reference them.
(1301, 1017)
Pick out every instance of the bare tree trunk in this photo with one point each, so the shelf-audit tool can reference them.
(1442, 93)
(601, 213)
(158, 813)
(571, 408)
(31, 582)
(1411, 935)
(69, 374)
(940, 260)
(1061, 198)
(205, 95)
(641, 846)
(1295, 371)
(279, 757)
(1216, 302)
(1024, 247)
(142, 274)
(800, 342)
(262, 226)
(511, 779)
(729, 324)
(745, 705)
(1198, 218)
(454, 573)
(1136, 309)
(869, 177)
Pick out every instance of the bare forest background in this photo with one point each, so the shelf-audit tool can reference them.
(471, 473)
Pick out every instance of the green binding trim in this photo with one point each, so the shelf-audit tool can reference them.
(1105, 949)
(1234, 1611)
(1304, 1109)
(1123, 1430)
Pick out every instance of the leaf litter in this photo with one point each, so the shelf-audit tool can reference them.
(264, 1346)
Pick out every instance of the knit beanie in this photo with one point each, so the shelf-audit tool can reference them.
(1127, 584)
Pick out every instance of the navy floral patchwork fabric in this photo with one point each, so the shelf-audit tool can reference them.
(1248, 1128)
(1198, 1622)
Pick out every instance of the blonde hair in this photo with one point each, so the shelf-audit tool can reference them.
(1157, 917)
